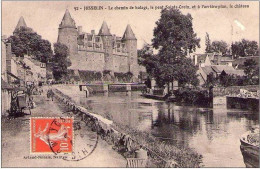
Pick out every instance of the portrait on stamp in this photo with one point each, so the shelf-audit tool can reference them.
(51, 135)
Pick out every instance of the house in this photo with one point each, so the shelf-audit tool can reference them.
(212, 58)
(36, 71)
(5, 87)
(207, 68)
(239, 62)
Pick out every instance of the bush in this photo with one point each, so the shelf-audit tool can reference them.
(193, 96)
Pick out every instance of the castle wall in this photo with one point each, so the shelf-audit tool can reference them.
(107, 43)
(68, 36)
(120, 63)
(131, 46)
(92, 61)
(101, 52)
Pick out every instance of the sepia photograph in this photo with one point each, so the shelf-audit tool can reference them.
(130, 84)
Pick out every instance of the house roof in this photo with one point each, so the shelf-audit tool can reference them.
(36, 62)
(226, 59)
(202, 57)
(228, 70)
(104, 30)
(207, 69)
(129, 34)
(241, 60)
(220, 68)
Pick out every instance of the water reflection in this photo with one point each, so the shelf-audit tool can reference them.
(214, 133)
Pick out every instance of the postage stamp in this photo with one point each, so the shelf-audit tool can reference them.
(51, 135)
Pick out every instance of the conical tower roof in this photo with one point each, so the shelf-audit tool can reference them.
(67, 21)
(21, 23)
(104, 29)
(129, 34)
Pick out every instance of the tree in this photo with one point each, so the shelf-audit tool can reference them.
(211, 80)
(26, 41)
(60, 61)
(251, 70)
(174, 38)
(245, 48)
(220, 47)
(226, 79)
(208, 44)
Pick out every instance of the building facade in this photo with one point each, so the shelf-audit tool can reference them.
(102, 52)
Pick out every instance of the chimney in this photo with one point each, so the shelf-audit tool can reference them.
(93, 32)
(80, 30)
(196, 59)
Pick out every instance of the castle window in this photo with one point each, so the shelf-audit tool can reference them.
(89, 37)
(97, 39)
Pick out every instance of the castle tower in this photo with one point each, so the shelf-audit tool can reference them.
(21, 23)
(68, 33)
(131, 46)
(106, 36)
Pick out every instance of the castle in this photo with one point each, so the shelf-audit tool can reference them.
(102, 52)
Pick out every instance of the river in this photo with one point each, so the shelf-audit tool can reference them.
(212, 132)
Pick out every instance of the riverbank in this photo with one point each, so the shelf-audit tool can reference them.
(16, 141)
(159, 152)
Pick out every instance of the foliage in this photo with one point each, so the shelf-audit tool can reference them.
(208, 44)
(251, 70)
(123, 77)
(105, 72)
(88, 76)
(220, 47)
(211, 80)
(26, 41)
(174, 38)
(60, 61)
(167, 150)
(193, 96)
(245, 48)
(174, 33)
(226, 79)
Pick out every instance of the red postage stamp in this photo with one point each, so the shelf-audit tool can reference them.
(51, 135)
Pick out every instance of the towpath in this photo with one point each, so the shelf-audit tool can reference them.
(16, 142)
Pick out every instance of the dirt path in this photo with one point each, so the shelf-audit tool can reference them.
(16, 142)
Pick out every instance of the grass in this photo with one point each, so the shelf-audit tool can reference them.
(184, 156)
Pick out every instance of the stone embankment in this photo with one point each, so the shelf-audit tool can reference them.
(129, 142)
(120, 141)
(232, 90)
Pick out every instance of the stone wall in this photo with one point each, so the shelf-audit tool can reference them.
(93, 61)
(121, 142)
(68, 36)
(232, 90)
(120, 63)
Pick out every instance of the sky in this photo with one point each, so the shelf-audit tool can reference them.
(228, 24)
